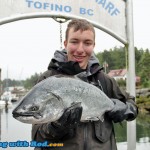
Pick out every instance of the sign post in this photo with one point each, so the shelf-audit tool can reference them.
(131, 126)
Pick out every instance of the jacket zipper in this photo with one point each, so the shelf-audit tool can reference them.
(85, 137)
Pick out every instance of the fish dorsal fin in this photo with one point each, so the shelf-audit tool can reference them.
(82, 76)
(59, 75)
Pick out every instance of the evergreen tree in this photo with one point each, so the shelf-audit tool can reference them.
(116, 59)
(144, 67)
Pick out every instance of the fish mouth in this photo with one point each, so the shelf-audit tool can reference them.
(27, 114)
(16, 114)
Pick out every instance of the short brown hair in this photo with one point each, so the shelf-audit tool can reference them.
(79, 24)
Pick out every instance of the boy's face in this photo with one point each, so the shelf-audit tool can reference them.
(79, 46)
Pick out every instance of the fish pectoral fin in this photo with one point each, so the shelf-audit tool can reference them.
(92, 118)
(95, 118)
(101, 118)
(75, 105)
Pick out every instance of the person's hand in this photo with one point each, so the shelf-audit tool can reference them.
(70, 118)
(66, 123)
(123, 111)
(118, 113)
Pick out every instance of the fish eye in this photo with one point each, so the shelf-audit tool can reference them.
(33, 108)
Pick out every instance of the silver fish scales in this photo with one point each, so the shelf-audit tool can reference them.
(47, 100)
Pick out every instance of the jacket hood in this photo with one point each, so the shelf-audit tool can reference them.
(60, 60)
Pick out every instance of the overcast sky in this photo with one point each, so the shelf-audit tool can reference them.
(27, 46)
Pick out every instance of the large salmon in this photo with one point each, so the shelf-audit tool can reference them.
(48, 99)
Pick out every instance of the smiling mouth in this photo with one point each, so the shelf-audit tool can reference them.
(79, 58)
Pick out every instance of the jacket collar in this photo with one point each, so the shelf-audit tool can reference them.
(59, 62)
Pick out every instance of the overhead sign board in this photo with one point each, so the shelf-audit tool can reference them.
(107, 15)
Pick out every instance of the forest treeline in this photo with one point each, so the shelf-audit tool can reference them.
(115, 58)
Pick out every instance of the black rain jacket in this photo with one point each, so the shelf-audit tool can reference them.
(90, 135)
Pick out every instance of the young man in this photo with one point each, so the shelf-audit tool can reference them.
(75, 58)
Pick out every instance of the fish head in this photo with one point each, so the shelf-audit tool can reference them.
(39, 106)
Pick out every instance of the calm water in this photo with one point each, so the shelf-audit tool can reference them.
(12, 131)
